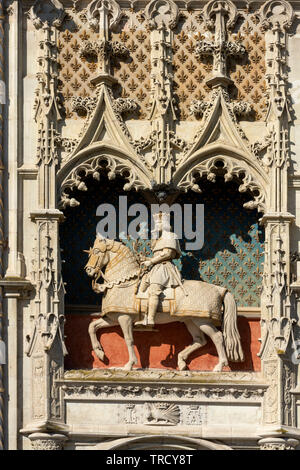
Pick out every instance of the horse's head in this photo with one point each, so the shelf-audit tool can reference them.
(98, 256)
(120, 262)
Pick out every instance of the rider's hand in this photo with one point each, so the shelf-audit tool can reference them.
(147, 263)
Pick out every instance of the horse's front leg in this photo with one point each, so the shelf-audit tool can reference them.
(93, 328)
(125, 322)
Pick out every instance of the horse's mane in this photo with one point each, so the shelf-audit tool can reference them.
(113, 245)
(129, 250)
(106, 244)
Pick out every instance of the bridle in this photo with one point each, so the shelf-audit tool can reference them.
(96, 264)
(103, 248)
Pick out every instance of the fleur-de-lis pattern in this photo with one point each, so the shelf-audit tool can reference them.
(232, 255)
(190, 73)
(233, 252)
(248, 73)
(134, 74)
(75, 71)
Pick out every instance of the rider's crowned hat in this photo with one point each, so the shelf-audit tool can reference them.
(167, 239)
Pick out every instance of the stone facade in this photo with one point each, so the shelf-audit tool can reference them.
(167, 96)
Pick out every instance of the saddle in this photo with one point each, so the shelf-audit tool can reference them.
(167, 301)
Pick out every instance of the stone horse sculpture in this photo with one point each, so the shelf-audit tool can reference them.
(201, 307)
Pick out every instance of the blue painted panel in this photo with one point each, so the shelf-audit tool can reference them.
(232, 255)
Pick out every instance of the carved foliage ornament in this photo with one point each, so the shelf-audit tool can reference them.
(94, 12)
(278, 443)
(239, 108)
(40, 11)
(124, 105)
(83, 105)
(46, 444)
(41, 441)
(170, 391)
(102, 49)
(161, 13)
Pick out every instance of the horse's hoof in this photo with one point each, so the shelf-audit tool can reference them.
(182, 364)
(219, 366)
(100, 354)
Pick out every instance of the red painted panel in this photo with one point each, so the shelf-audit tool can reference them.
(157, 350)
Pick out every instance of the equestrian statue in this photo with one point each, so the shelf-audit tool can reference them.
(140, 292)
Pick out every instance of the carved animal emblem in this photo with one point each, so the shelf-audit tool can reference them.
(162, 413)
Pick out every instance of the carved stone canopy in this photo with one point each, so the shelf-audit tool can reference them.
(213, 7)
(94, 14)
(162, 13)
(277, 11)
(47, 11)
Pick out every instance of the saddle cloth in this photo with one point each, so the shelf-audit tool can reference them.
(202, 300)
(167, 294)
(166, 301)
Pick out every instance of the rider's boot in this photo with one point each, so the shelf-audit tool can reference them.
(142, 322)
(152, 309)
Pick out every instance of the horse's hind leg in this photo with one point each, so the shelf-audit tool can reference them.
(125, 322)
(217, 337)
(198, 341)
(93, 328)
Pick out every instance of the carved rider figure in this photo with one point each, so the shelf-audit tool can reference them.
(162, 272)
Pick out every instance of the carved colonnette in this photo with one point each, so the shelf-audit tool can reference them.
(278, 316)
(45, 342)
(161, 157)
(2, 102)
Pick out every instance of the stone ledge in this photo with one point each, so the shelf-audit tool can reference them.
(145, 375)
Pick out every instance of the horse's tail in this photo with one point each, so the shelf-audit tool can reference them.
(231, 334)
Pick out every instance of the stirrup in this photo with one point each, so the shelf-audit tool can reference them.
(141, 323)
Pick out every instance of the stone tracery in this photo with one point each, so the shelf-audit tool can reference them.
(211, 167)
(93, 167)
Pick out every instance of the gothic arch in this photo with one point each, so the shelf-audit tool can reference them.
(216, 159)
(91, 161)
